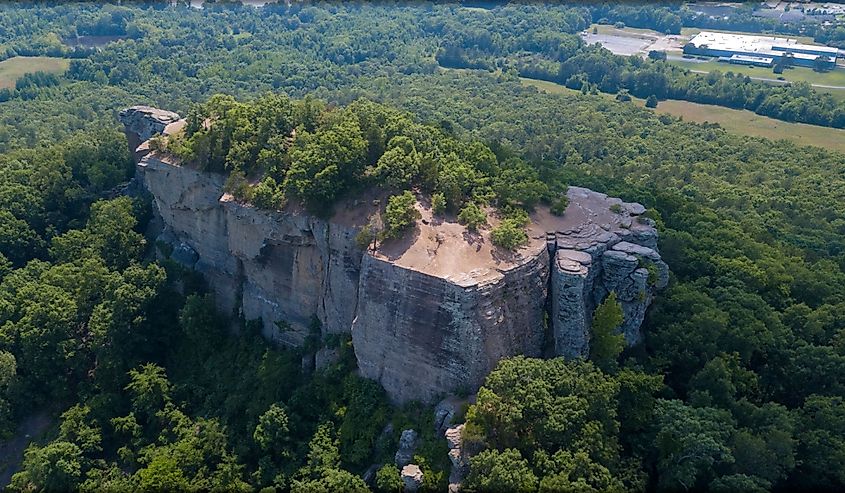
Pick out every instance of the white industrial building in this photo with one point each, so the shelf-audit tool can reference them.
(759, 50)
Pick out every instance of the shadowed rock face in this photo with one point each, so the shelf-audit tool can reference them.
(429, 314)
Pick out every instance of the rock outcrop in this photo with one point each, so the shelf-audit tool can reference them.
(457, 456)
(408, 442)
(601, 245)
(429, 314)
(412, 478)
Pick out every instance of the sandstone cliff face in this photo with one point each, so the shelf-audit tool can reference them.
(601, 245)
(429, 314)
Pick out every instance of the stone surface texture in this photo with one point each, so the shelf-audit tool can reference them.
(430, 314)
(408, 442)
(412, 478)
(457, 456)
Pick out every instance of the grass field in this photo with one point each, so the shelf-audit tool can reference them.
(13, 68)
(796, 74)
(632, 32)
(740, 122)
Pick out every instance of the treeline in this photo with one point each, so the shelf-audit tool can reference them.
(565, 59)
(305, 152)
(596, 67)
(190, 54)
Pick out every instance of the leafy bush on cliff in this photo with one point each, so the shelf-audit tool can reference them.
(400, 214)
(509, 234)
(472, 216)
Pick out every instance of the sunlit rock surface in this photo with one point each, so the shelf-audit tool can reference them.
(430, 314)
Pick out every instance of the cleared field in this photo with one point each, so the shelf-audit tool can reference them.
(795, 74)
(13, 68)
(740, 122)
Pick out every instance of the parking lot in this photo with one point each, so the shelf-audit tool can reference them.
(634, 42)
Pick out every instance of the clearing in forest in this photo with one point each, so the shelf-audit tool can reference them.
(13, 68)
(742, 122)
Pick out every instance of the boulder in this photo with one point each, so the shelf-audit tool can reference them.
(325, 357)
(407, 446)
(457, 456)
(412, 477)
(446, 410)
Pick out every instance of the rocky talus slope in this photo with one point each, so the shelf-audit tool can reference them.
(429, 314)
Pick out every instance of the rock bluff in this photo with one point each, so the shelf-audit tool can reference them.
(429, 314)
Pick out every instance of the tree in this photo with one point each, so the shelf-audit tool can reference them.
(162, 473)
(322, 472)
(400, 214)
(821, 434)
(509, 234)
(149, 389)
(388, 479)
(399, 166)
(267, 195)
(651, 102)
(519, 184)
(822, 64)
(109, 235)
(606, 344)
(559, 206)
(272, 432)
(496, 471)
(531, 404)
(472, 216)
(438, 203)
(55, 467)
(691, 443)
(78, 428)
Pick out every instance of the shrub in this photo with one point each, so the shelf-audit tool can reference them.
(509, 234)
(388, 479)
(438, 203)
(472, 216)
(400, 214)
(616, 209)
(651, 102)
(559, 206)
(268, 195)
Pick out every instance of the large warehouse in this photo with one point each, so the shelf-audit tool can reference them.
(759, 50)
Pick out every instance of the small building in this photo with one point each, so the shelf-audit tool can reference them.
(757, 61)
(754, 50)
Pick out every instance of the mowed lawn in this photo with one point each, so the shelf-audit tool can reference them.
(13, 68)
(742, 122)
(796, 74)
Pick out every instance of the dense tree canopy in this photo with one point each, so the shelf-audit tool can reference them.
(738, 385)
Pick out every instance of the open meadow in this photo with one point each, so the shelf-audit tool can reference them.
(13, 68)
(742, 122)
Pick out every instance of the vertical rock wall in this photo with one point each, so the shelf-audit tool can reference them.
(429, 314)
(420, 335)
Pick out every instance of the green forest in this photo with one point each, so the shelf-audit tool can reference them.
(738, 385)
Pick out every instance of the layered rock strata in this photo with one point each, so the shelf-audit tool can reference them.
(429, 314)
